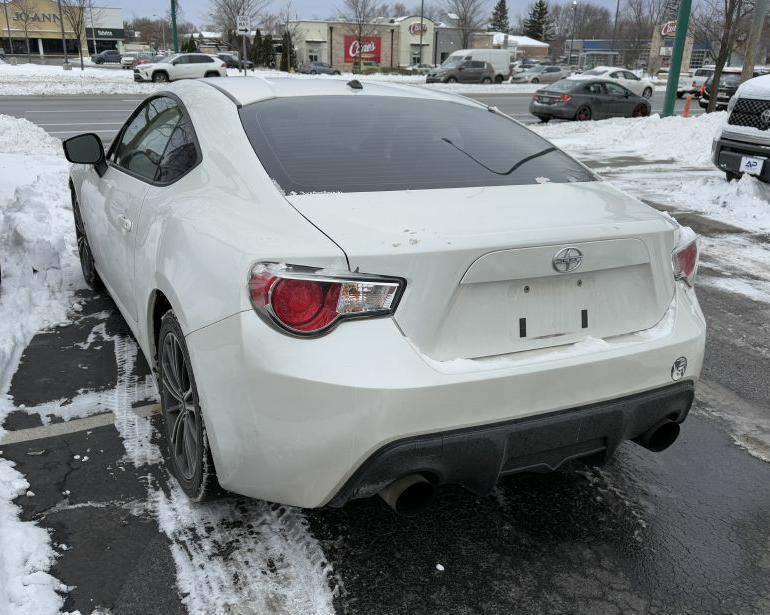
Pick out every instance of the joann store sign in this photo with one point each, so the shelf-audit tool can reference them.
(23, 17)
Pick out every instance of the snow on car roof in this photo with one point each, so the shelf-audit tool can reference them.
(247, 90)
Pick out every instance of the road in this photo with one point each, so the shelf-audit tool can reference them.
(679, 532)
(65, 116)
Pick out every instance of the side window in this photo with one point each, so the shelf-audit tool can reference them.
(616, 75)
(631, 76)
(145, 138)
(181, 154)
(201, 59)
(182, 60)
(477, 64)
(594, 88)
(613, 89)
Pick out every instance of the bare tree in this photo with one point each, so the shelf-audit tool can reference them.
(720, 22)
(224, 14)
(468, 17)
(359, 15)
(74, 12)
(24, 12)
(590, 21)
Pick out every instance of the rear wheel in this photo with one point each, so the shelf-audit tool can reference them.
(313, 72)
(486, 80)
(641, 111)
(336, 72)
(647, 93)
(87, 264)
(160, 77)
(544, 118)
(451, 80)
(535, 80)
(499, 79)
(186, 446)
(583, 114)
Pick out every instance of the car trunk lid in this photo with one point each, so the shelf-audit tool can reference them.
(479, 262)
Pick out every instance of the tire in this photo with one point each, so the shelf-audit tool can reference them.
(160, 77)
(211, 73)
(312, 72)
(185, 444)
(544, 118)
(730, 176)
(647, 93)
(336, 72)
(499, 79)
(641, 111)
(87, 264)
(486, 80)
(535, 80)
(451, 80)
(583, 114)
(680, 94)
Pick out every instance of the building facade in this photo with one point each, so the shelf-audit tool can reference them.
(104, 28)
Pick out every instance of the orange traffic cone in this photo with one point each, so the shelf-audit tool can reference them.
(686, 112)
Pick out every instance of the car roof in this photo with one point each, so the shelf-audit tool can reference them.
(247, 90)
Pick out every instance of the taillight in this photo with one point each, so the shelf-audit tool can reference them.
(565, 97)
(307, 301)
(685, 260)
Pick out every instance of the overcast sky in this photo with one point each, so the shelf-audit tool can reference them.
(197, 10)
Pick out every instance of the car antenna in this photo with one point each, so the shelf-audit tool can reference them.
(355, 84)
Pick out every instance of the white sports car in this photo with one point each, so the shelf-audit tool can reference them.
(347, 290)
(640, 87)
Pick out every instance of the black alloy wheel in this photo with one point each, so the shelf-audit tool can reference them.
(647, 93)
(186, 447)
(87, 265)
(583, 114)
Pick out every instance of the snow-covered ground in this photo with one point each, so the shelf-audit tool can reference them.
(39, 277)
(39, 79)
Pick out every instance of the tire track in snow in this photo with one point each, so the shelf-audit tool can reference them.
(234, 555)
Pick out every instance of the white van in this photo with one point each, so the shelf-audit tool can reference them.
(500, 59)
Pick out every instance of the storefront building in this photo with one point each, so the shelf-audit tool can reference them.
(104, 28)
(41, 28)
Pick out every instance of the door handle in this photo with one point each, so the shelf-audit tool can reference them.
(125, 223)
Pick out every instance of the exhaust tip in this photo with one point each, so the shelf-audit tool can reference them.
(659, 437)
(409, 495)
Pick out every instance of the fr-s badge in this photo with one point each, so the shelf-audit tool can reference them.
(679, 368)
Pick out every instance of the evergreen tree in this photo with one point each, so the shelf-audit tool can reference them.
(539, 25)
(286, 53)
(268, 53)
(499, 21)
(191, 46)
(256, 49)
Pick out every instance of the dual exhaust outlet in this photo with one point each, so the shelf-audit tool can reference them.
(412, 494)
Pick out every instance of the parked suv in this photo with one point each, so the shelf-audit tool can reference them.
(469, 71)
(111, 56)
(232, 62)
(692, 82)
(181, 66)
(729, 81)
(744, 144)
(318, 68)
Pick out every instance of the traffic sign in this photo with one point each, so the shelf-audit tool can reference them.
(242, 23)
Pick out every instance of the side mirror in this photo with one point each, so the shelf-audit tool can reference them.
(85, 149)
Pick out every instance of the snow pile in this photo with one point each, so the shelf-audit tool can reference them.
(38, 271)
(744, 202)
(39, 79)
(685, 140)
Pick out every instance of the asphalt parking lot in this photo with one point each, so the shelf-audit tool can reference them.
(683, 531)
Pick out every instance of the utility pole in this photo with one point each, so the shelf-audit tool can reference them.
(93, 25)
(422, 16)
(175, 39)
(8, 24)
(615, 27)
(682, 26)
(572, 42)
(752, 43)
(63, 37)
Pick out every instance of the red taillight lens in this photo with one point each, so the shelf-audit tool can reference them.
(303, 301)
(685, 261)
(565, 97)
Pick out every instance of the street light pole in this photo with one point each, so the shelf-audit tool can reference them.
(574, 22)
(174, 38)
(682, 25)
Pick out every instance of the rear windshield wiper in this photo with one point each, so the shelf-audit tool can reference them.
(520, 163)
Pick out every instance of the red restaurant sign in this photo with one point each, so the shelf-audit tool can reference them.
(368, 51)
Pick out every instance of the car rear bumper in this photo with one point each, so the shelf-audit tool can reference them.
(727, 154)
(295, 420)
(562, 111)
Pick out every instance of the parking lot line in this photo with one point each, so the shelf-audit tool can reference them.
(61, 429)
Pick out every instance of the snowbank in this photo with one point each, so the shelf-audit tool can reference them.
(39, 276)
(686, 140)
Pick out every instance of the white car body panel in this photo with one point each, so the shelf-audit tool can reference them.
(290, 419)
(182, 70)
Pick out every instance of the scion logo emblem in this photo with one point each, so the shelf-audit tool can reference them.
(567, 259)
(765, 117)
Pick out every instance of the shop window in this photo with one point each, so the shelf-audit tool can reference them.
(313, 55)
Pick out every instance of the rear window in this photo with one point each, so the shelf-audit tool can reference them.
(565, 85)
(377, 143)
(594, 71)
